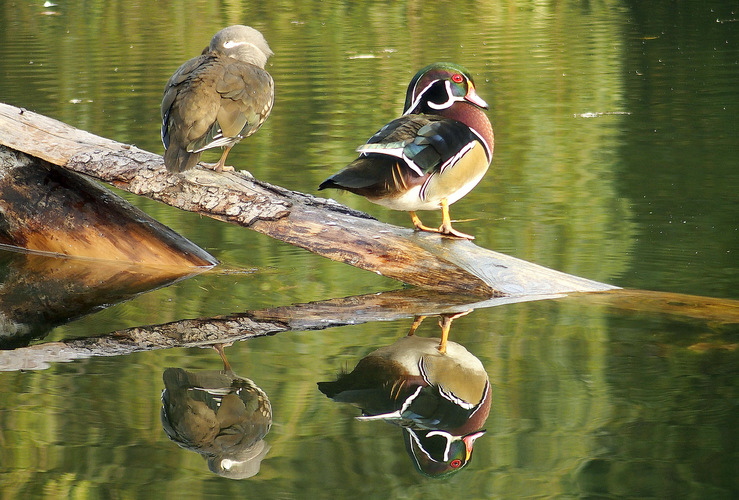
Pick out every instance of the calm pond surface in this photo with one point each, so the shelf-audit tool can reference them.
(616, 159)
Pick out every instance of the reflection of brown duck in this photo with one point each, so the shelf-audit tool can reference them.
(217, 99)
(220, 415)
(437, 392)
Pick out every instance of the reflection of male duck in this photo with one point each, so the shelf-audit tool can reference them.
(220, 415)
(437, 392)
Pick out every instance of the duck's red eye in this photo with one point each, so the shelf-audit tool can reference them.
(457, 78)
(456, 462)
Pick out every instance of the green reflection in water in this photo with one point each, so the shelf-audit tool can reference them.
(586, 401)
(583, 400)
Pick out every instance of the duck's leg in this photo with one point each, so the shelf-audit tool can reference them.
(416, 323)
(446, 223)
(221, 165)
(222, 353)
(419, 225)
(445, 322)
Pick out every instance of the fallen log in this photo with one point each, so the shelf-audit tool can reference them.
(315, 224)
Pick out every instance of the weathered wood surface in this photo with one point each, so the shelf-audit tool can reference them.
(46, 208)
(318, 225)
(386, 306)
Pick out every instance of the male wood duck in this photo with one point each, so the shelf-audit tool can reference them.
(431, 156)
(217, 99)
(440, 399)
(218, 414)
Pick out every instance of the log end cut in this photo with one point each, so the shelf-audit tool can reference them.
(45, 208)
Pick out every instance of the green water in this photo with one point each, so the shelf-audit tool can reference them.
(616, 159)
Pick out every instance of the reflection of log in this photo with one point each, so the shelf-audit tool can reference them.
(708, 309)
(316, 224)
(41, 292)
(46, 208)
(337, 312)
(234, 327)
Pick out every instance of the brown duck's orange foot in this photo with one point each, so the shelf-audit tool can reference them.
(221, 165)
(427, 229)
(217, 167)
(224, 168)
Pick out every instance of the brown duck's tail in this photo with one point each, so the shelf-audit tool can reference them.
(179, 159)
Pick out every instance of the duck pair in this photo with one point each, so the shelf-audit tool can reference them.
(430, 157)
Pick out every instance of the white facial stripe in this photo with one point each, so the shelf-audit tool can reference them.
(420, 446)
(418, 99)
(448, 439)
(451, 98)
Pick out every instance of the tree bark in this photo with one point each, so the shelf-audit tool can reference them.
(318, 225)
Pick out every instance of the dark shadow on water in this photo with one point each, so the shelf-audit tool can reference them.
(436, 391)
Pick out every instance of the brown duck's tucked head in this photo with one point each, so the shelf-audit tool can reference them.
(243, 43)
